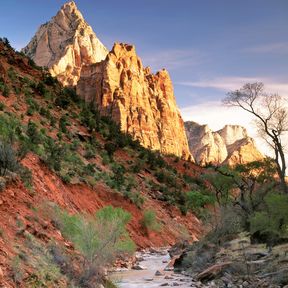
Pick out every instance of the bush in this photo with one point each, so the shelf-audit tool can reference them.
(135, 197)
(271, 222)
(2, 106)
(63, 124)
(110, 147)
(150, 222)
(66, 98)
(100, 239)
(50, 80)
(32, 133)
(118, 176)
(40, 87)
(5, 90)
(8, 160)
(12, 74)
(196, 200)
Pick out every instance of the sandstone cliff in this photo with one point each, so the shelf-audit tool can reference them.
(64, 44)
(230, 145)
(143, 103)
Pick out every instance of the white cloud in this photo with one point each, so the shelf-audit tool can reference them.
(231, 83)
(217, 116)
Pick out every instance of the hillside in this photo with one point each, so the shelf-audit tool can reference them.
(62, 151)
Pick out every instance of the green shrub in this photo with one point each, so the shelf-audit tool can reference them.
(197, 200)
(63, 124)
(32, 133)
(100, 238)
(26, 176)
(5, 90)
(150, 222)
(12, 74)
(8, 160)
(118, 175)
(33, 106)
(110, 147)
(135, 197)
(271, 221)
(40, 87)
(2, 106)
(50, 80)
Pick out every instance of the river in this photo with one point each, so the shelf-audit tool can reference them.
(146, 278)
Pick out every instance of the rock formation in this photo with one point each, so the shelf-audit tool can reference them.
(64, 44)
(230, 145)
(143, 103)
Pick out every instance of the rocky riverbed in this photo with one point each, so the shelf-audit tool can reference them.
(153, 269)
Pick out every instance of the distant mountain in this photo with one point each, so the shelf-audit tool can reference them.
(64, 44)
(141, 102)
(230, 145)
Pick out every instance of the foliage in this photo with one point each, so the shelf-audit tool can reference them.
(197, 201)
(45, 271)
(135, 197)
(67, 97)
(149, 221)
(99, 238)
(271, 222)
(8, 160)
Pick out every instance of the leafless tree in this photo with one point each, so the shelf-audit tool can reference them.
(271, 117)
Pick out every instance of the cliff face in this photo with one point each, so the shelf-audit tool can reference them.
(143, 103)
(205, 145)
(64, 44)
(230, 145)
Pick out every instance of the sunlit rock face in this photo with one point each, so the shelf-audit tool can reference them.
(64, 44)
(230, 145)
(141, 102)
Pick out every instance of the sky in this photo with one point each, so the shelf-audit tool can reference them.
(209, 47)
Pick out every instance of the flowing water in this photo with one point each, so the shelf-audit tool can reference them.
(146, 278)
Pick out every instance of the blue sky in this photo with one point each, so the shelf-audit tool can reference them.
(208, 46)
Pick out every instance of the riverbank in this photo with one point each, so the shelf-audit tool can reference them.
(153, 269)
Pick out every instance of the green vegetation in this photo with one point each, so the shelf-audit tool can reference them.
(99, 238)
(149, 221)
(271, 222)
(198, 201)
(8, 160)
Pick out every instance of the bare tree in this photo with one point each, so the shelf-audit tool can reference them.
(271, 117)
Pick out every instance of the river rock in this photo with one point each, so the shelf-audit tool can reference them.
(139, 267)
(158, 273)
(168, 277)
(149, 279)
(213, 271)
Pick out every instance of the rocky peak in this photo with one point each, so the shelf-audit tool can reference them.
(64, 44)
(230, 145)
(141, 102)
(232, 133)
(205, 145)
